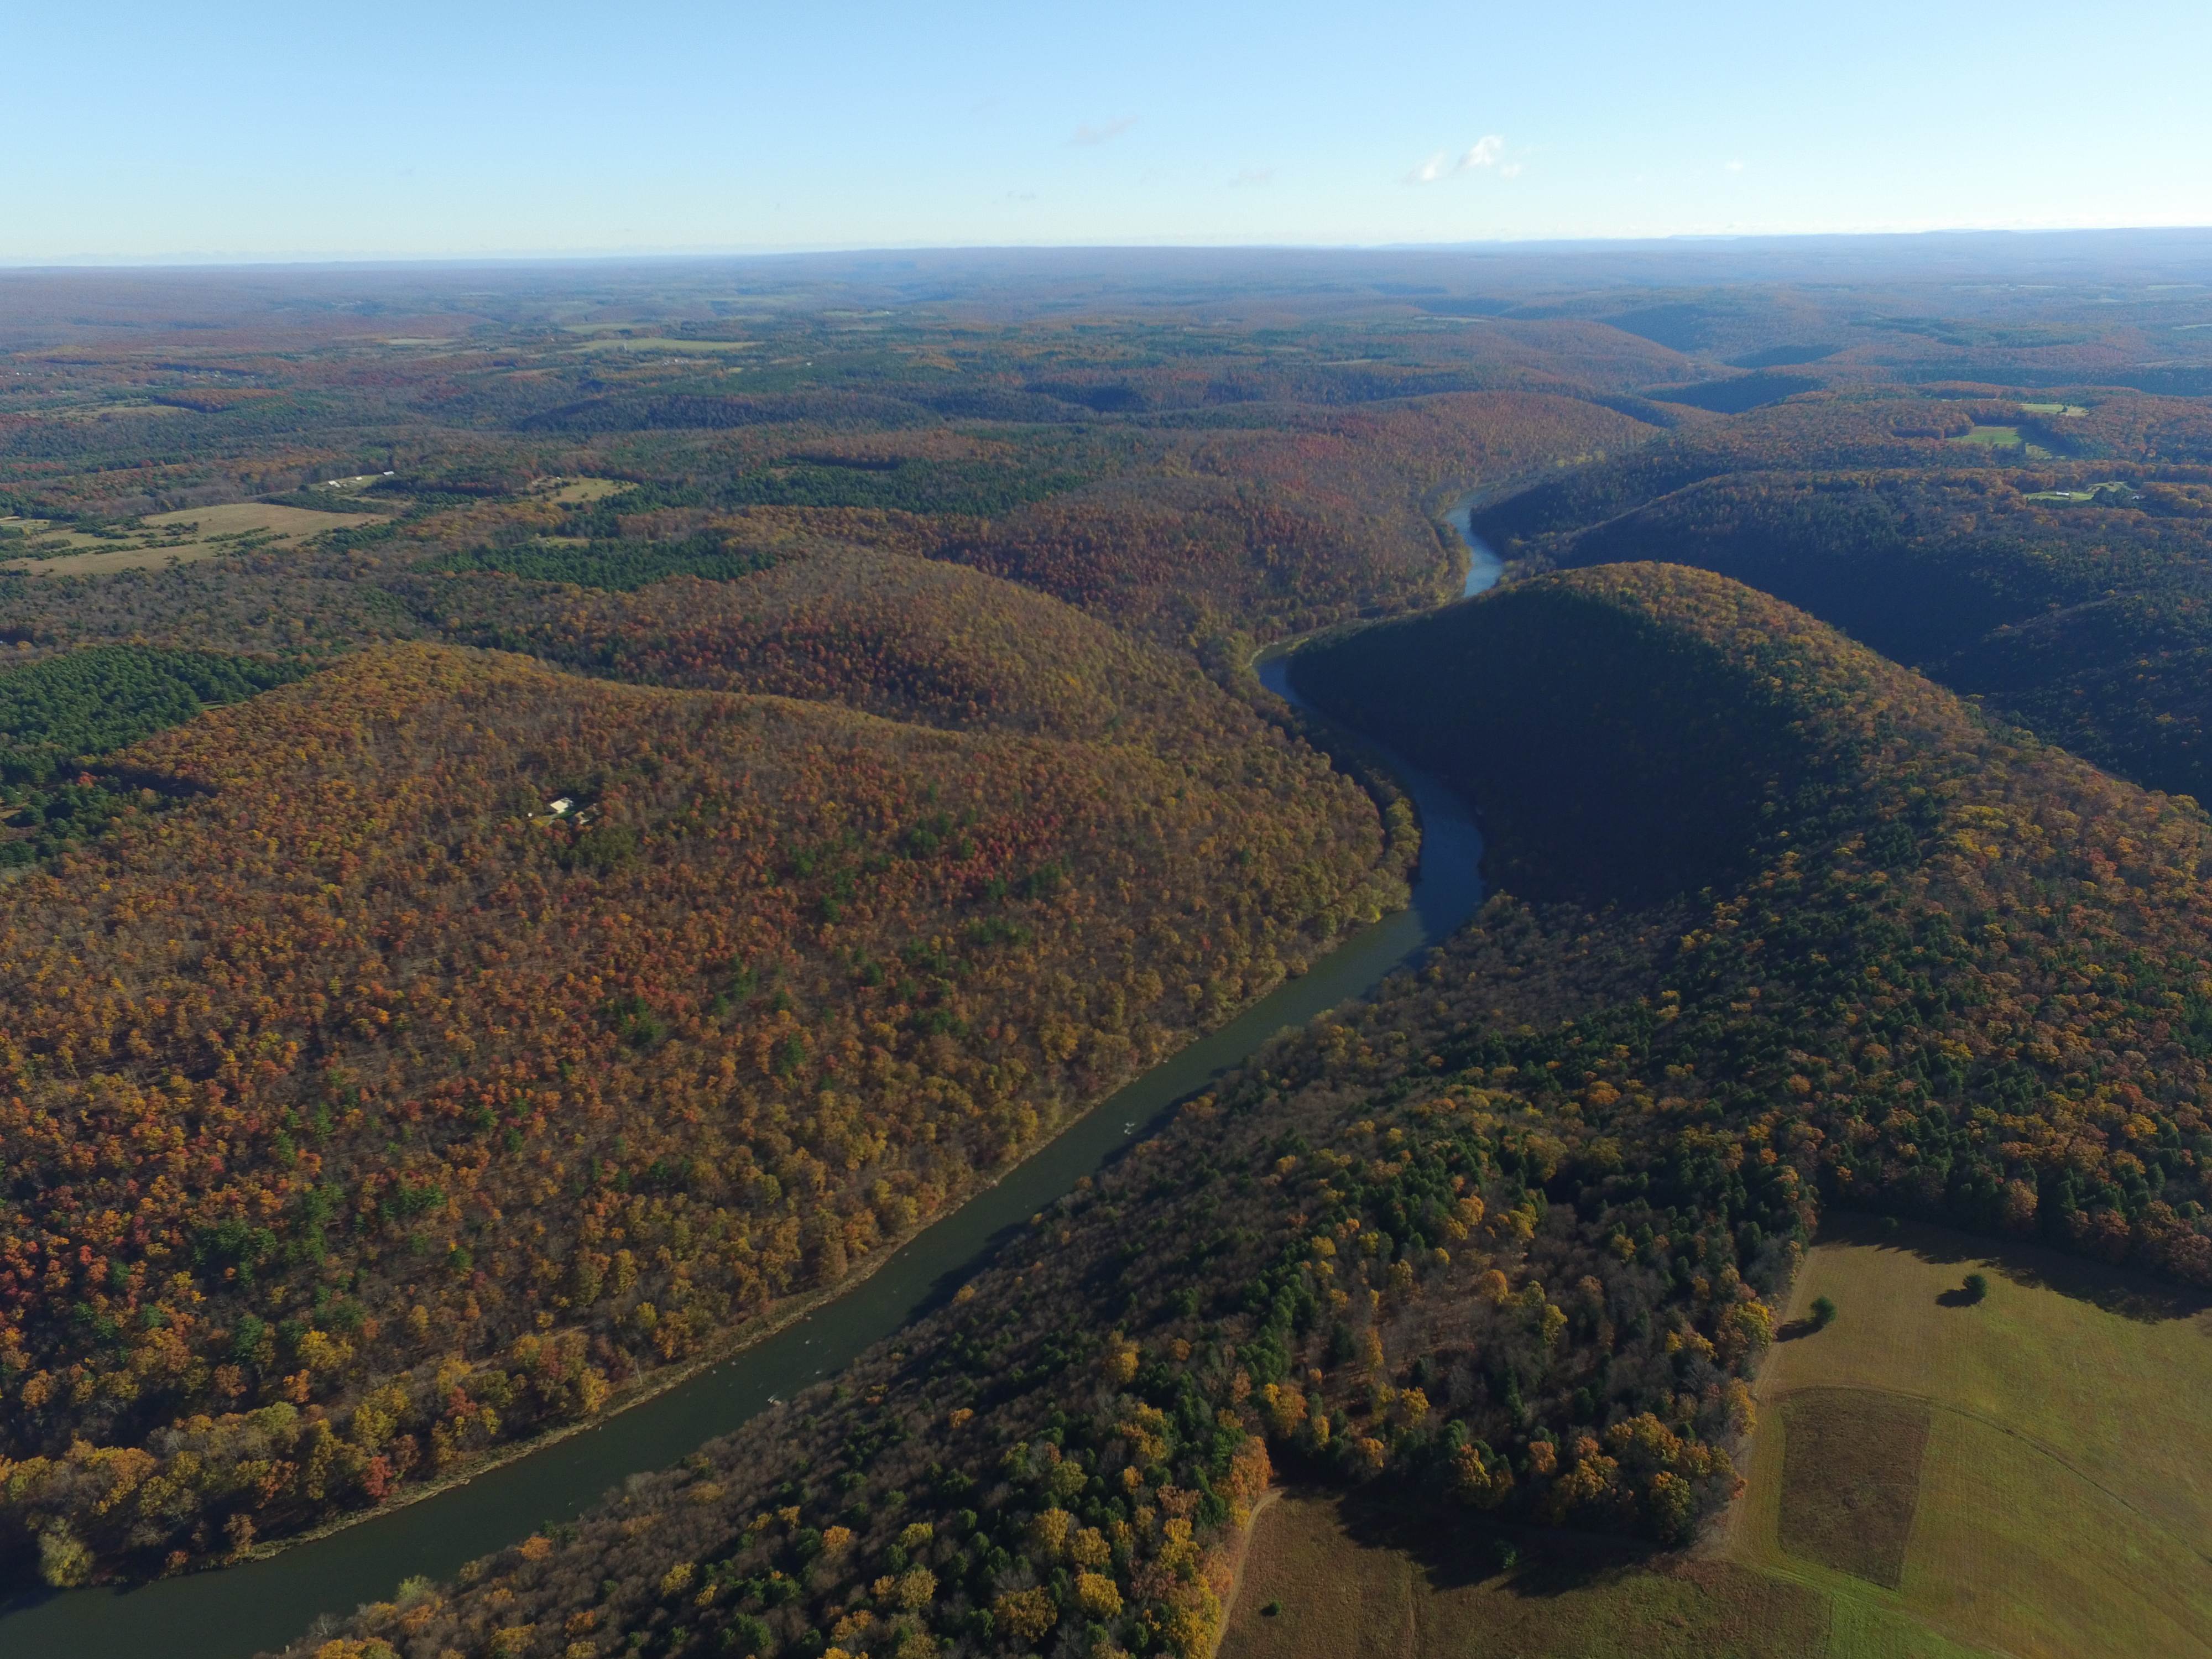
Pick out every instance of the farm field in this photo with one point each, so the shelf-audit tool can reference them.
(665, 343)
(1342, 1581)
(197, 533)
(565, 490)
(2062, 1506)
(1931, 1476)
(2002, 437)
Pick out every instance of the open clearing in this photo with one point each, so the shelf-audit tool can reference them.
(664, 344)
(195, 533)
(578, 490)
(2113, 494)
(2002, 437)
(125, 409)
(1343, 1584)
(2065, 1502)
(2028, 1475)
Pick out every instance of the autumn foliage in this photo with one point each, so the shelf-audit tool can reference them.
(1511, 1236)
(365, 1113)
(1983, 960)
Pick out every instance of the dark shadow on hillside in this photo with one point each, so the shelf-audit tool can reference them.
(1454, 1549)
(2129, 1293)
(1737, 394)
(1555, 708)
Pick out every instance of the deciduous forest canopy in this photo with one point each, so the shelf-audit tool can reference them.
(739, 755)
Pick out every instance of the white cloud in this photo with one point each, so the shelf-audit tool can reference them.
(1484, 154)
(1735, 166)
(1105, 132)
(1251, 178)
(1488, 151)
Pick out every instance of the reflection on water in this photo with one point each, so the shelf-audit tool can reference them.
(1483, 566)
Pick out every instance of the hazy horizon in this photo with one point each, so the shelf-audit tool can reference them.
(501, 133)
(1996, 238)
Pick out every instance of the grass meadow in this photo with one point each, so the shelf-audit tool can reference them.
(2003, 437)
(1933, 1476)
(194, 532)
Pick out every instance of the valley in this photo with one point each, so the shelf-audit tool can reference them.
(1306, 954)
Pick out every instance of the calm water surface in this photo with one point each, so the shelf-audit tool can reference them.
(239, 1611)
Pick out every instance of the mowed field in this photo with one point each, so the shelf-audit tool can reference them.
(2026, 1475)
(1325, 1579)
(578, 489)
(2003, 437)
(195, 533)
(2061, 1500)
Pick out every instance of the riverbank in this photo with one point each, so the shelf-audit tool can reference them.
(265, 1602)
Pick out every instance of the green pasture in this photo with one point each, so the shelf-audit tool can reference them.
(1933, 1477)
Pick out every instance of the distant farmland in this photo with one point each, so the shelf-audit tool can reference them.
(195, 533)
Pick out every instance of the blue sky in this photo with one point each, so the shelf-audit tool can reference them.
(137, 131)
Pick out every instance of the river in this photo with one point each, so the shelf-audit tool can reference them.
(238, 1611)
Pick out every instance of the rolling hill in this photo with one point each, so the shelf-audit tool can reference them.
(1511, 1243)
(474, 1042)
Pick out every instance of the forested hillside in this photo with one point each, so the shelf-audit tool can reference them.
(1874, 428)
(61, 715)
(1507, 1237)
(2036, 1051)
(1835, 428)
(553, 815)
(367, 1111)
(2074, 601)
(879, 632)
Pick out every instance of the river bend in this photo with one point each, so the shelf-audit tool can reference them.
(236, 1611)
